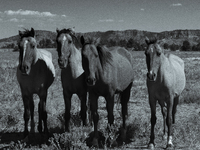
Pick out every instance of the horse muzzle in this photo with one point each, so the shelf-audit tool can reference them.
(62, 63)
(90, 81)
(151, 76)
(25, 69)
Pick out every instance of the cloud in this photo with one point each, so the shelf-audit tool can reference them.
(106, 20)
(176, 5)
(14, 20)
(64, 16)
(29, 13)
(120, 20)
(142, 9)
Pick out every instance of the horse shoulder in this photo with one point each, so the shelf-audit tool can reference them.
(47, 58)
(47, 53)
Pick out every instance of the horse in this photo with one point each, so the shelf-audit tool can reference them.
(35, 74)
(165, 82)
(72, 73)
(109, 71)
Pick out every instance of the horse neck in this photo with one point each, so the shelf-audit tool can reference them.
(164, 65)
(102, 71)
(75, 62)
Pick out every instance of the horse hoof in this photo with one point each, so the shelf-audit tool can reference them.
(123, 135)
(151, 146)
(170, 146)
(39, 128)
(95, 143)
(164, 137)
(26, 139)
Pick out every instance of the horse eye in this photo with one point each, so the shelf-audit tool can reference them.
(158, 53)
(33, 46)
(70, 41)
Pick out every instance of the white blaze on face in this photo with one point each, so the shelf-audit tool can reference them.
(152, 50)
(64, 39)
(25, 44)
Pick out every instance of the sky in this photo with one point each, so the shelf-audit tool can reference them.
(98, 15)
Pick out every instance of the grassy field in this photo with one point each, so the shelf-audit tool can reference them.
(186, 131)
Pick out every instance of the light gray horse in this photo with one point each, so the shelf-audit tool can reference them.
(165, 82)
(35, 74)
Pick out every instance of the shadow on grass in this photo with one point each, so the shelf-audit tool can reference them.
(116, 141)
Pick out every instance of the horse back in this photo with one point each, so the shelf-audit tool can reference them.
(121, 70)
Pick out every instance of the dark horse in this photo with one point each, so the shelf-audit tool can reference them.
(165, 82)
(35, 74)
(108, 71)
(72, 74)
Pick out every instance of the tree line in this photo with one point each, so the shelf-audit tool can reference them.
(130, 44)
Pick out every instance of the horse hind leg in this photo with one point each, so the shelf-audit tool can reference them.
(125, 96)
(176, 101)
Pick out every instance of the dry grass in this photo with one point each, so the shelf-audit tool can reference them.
(186, 129)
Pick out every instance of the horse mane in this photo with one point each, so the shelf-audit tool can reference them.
(104, 55)
(27, 33)
(152, 40)
(68, 31)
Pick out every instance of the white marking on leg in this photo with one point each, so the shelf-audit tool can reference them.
(170, 140)
(25, 45)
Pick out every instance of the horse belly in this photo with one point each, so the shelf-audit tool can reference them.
(124, 74)
(74, 85)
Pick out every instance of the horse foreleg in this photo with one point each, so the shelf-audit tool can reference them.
(152, 103)
(32, 114)
(164, 113)
(169, 121)
(26, 101)
(67, 99)
(43, 98)
(83, 114)
(93, 107)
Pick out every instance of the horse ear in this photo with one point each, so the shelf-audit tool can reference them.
(147, 40)
(20, 33)
(82, 40)
(97, 41)
(57, 30)
(32, 32)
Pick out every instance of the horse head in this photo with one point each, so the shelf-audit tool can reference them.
(153, 58)
(90, 59)
(28, 50)
(65, 42)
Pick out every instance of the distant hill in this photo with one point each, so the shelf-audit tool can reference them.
(170, 37)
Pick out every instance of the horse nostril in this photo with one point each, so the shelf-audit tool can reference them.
(26, 68)
(90, 81)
